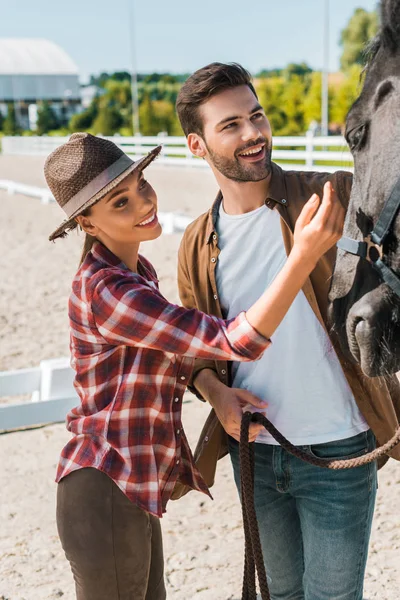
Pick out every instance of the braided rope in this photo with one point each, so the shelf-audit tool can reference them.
(253, 558)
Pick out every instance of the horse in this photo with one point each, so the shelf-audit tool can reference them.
(365, 289)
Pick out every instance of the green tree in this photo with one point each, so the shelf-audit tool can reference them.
(10, 126)
(108, 112)
(118, 95)
(361, 28)
(121, 76)
(165, 118)
(299, 69)
(313, 99)
(46, 119)
(269, 73)
(108, 121)
(119, 92)
(1, 121)
(100, 80)
(293, 106)
(344, 95)
(270, 92)
(147, 116)
(84, 121)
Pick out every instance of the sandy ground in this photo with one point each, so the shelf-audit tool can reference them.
(203, 539)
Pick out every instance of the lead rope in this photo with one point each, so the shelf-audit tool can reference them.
(253, 557)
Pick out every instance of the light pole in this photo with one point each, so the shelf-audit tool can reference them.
(134, 83)
(325, 71)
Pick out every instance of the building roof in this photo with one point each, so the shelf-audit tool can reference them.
(24, 56)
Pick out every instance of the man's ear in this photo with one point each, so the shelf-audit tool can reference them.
(196, 145)
(86, 225)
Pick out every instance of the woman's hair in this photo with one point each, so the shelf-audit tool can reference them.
(201, 86)
(89, 240)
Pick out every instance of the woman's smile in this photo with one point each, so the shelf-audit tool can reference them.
(150, 220)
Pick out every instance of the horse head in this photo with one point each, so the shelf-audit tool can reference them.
(365, 309)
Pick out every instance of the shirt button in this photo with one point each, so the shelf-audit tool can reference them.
(283, 201)
(206, 438)
(176, 399)
(178, 461)
(215, 297)
(178, 431)
(223, 371)
(183, 377)
(214, 237)
(213, 259)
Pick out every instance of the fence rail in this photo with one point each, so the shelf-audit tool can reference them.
(51, 395)
(51, 391)
(50, 385)
(171, 222)
(300, 153)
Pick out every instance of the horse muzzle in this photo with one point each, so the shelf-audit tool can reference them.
(373, 333)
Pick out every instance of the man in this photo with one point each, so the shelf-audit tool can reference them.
(314, 523)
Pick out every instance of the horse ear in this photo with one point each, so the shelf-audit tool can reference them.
(390, 19)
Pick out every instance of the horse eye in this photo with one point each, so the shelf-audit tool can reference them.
(357, 137)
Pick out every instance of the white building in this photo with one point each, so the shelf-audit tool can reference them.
(36, 69)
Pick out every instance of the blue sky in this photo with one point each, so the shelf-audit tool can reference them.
(183, 35)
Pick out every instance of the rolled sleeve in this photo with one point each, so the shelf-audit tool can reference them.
(128, 311)
(248, 339)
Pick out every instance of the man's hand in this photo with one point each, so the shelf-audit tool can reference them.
(230, 406)
(319, 225)
(229, 403)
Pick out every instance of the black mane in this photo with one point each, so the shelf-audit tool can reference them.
(371, 50)
(388, 36)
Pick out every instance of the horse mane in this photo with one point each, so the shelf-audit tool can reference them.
(384, 39)
(371, 50)
(388, 36)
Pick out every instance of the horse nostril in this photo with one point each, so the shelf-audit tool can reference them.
(362, 311)
(356, 327)
(357, 321)
(360, 325)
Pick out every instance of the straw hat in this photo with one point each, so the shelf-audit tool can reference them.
(85, 169)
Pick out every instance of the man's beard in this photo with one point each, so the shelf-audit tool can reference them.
(235, 170)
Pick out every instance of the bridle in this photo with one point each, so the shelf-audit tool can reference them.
(371, 249)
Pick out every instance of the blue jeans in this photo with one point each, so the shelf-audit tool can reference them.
(314, 523)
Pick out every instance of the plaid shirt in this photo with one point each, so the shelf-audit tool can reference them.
(133, 354)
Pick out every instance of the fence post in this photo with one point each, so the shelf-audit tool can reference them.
(168, 223)
(309, 148)
(46, 197)
(163, 136)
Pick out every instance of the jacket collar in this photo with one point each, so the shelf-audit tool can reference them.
(277, 194)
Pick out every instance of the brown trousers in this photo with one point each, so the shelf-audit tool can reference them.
(114, 548)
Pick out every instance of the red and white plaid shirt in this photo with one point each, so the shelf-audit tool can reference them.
(133, 353)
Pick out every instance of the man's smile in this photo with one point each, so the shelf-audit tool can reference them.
(254, 153)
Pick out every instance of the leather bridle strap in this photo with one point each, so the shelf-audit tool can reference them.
(353, 246)
(387, 216)
(388, 276)
(371, 249)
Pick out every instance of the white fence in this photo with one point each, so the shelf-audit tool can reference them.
(171, 222)
(50, 384)
(51, 391)
(301, 153)
(13, 187)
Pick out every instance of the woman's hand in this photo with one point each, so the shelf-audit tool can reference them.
(319, 225)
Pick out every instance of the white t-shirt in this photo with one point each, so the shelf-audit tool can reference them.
(299, 375)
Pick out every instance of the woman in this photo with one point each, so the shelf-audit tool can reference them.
(132, 352)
